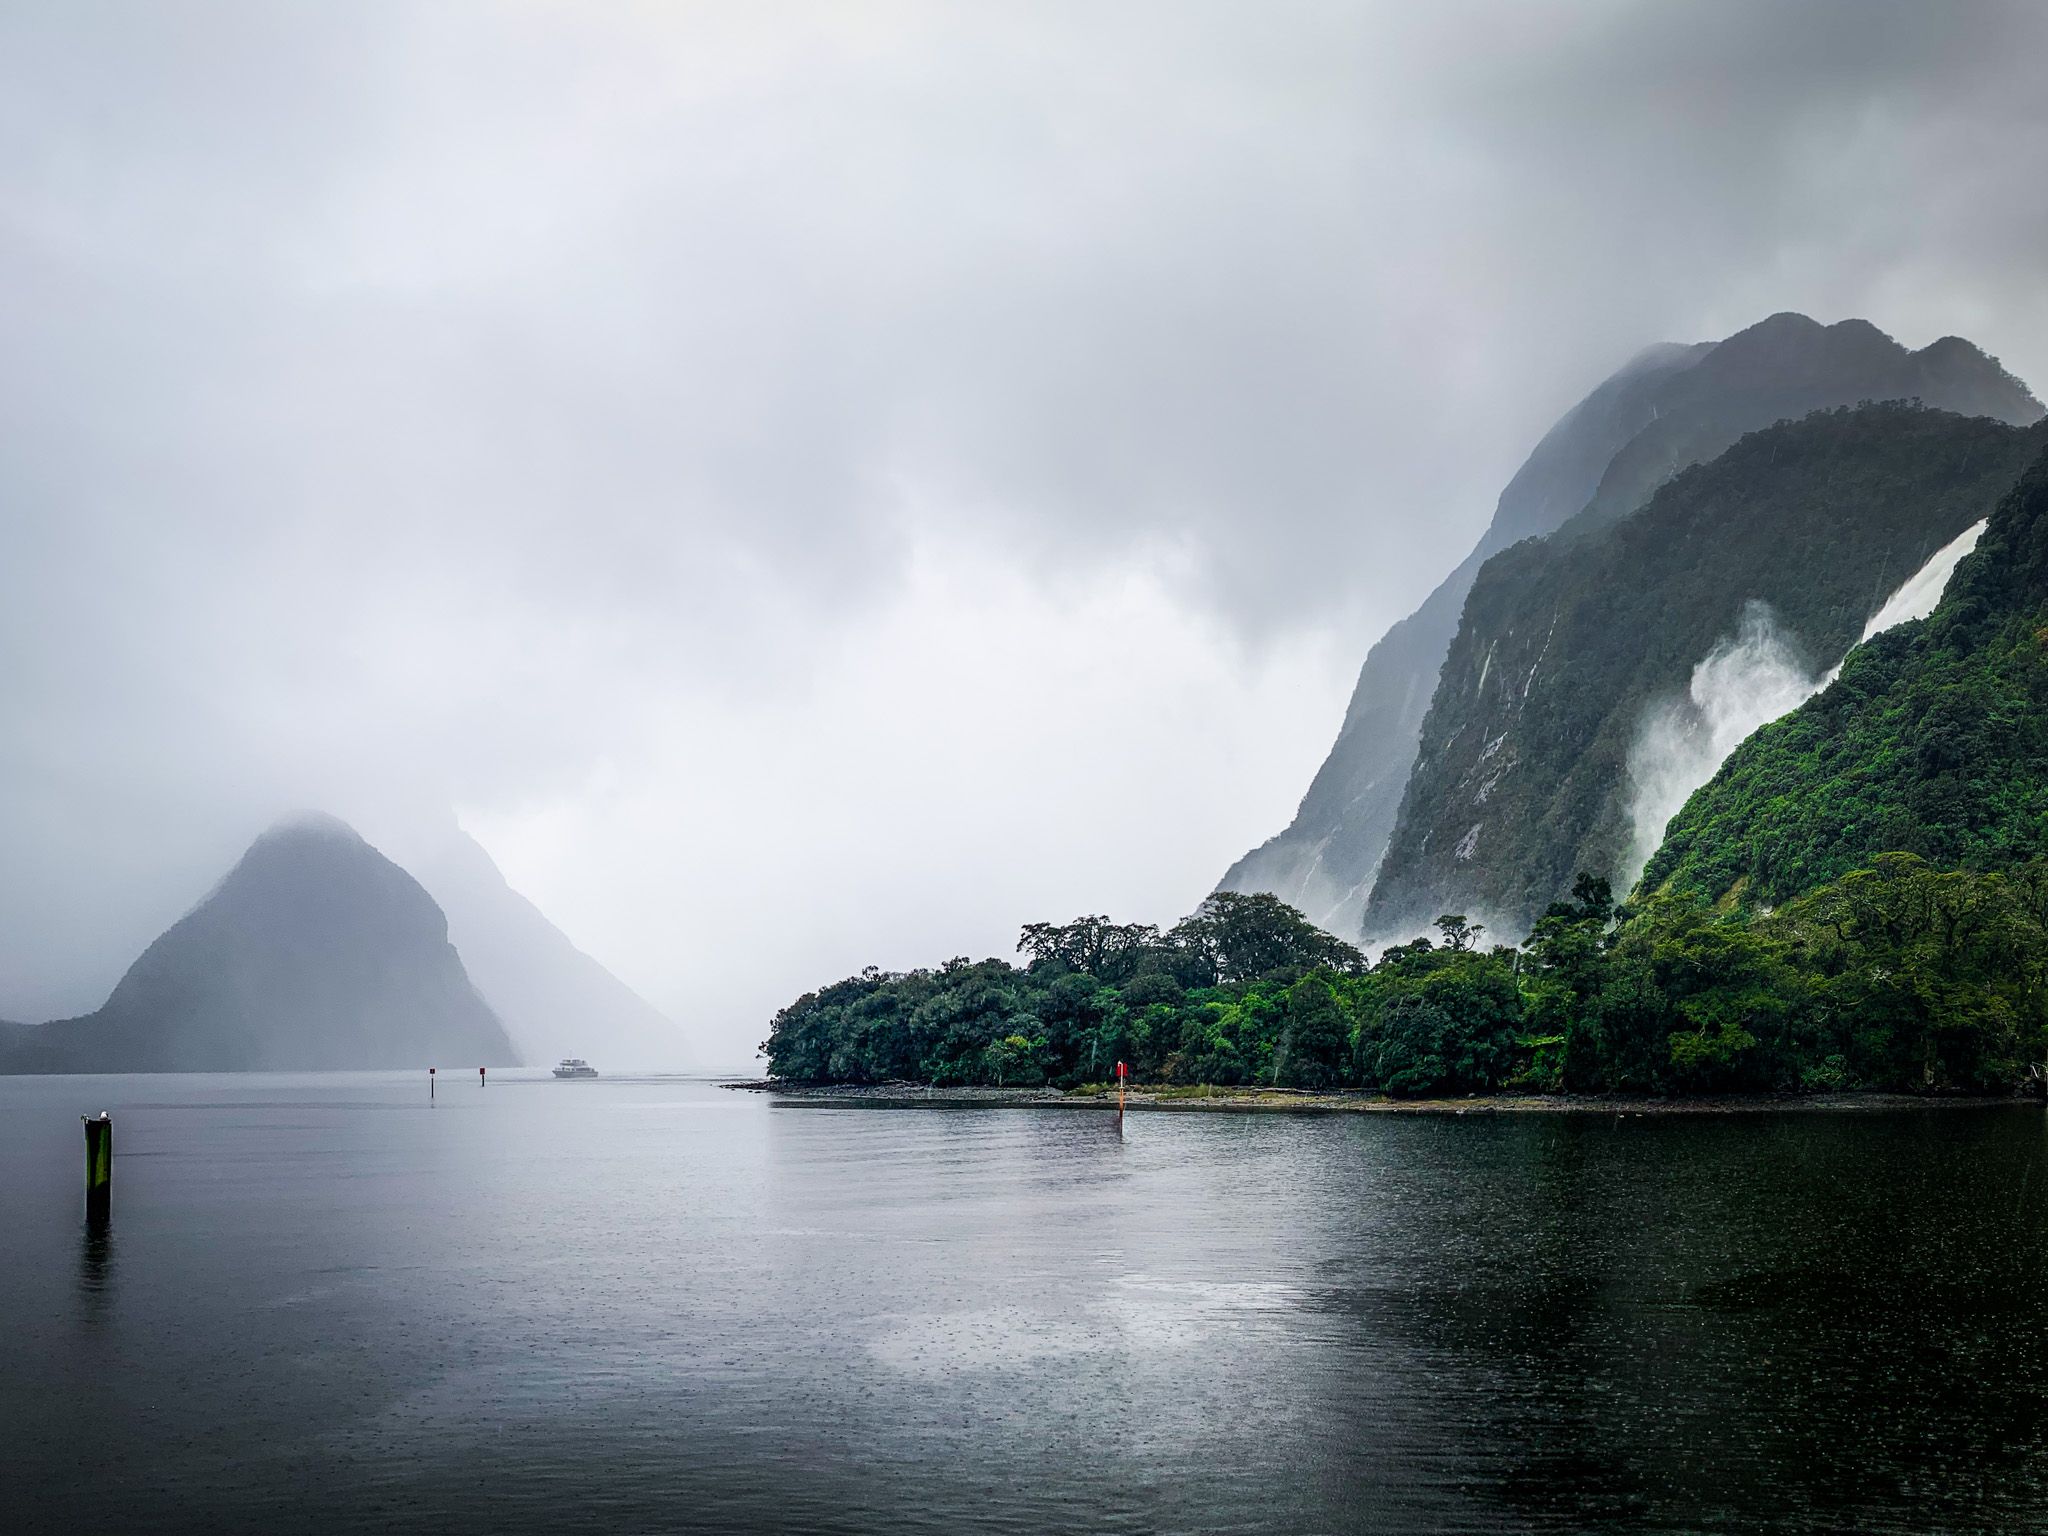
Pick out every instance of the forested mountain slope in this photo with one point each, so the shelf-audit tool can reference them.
(1587, 670)
(1670, 407)
(1933, 741)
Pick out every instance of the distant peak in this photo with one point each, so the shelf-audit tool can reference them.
(1958, 349)
(1661, 354)
(1957, 357)
(1786, 322)
(311, 824)
(1796, 344)
(1788, 329)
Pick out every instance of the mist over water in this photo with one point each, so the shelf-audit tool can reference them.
(1746, 681)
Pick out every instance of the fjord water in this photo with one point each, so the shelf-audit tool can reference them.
(324, 1305)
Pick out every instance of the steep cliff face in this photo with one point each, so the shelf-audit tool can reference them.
(315, 952)
(1933, 741)
(1325, 861)
(1670, 407)
(1595, 668)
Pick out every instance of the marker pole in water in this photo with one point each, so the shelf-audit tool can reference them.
(479, 1077)
(99, 1166)
(430, 1085)
(1120, 1071)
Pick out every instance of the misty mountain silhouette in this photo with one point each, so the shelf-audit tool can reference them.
(314, 952)
(554, 999)
(1670, 407)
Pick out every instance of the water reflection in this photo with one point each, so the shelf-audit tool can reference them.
(96, 1268)
(509, 1316)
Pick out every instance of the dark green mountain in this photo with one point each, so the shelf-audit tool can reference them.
(1595, 667)
(315, 952)
(1933, 741)
(1671, 407)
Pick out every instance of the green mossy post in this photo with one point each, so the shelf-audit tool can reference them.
(99, 1166)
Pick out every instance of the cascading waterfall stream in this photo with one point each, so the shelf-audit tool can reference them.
(1752, 677)
(1923, 589)
(1746, 681)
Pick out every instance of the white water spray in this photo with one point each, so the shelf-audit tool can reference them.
(1745, 681)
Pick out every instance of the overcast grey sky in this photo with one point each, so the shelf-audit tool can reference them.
(820, 485)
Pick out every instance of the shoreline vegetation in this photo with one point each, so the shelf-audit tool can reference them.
(1207, 1098)
(1899, 978)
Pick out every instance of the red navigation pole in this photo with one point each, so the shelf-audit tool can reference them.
(1120, 1070)
(479, 1077)
(430, 1085)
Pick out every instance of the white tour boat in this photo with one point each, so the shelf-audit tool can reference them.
(575, 1066)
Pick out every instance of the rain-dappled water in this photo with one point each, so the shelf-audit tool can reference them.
(322, 1304)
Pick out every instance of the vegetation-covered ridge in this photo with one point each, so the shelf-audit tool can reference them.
(1898, 977)
(1569, 645)
(1671, 407)
(1933, 741)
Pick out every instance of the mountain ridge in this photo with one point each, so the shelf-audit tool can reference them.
(1733, 590)
(1666, 408)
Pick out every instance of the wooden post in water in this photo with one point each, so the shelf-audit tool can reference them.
(99, 1166)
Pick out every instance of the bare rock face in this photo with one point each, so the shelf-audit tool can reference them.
(314, 952)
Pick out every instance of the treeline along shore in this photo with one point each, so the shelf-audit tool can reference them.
(1899, 978)
(1210, 1098)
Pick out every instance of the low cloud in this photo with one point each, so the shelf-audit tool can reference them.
(576, 416)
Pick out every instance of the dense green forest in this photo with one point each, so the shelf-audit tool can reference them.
(1934, 741)
(1900, 976)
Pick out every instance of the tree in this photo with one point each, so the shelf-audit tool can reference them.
(1092, 946)
(1239, 936)
(1316, 1036)
(1459, 934)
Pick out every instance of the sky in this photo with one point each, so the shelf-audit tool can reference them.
(811, 486)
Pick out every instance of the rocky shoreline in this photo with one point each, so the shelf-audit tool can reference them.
(1286, 1101)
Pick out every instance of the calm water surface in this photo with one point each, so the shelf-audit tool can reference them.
(655, 1305)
